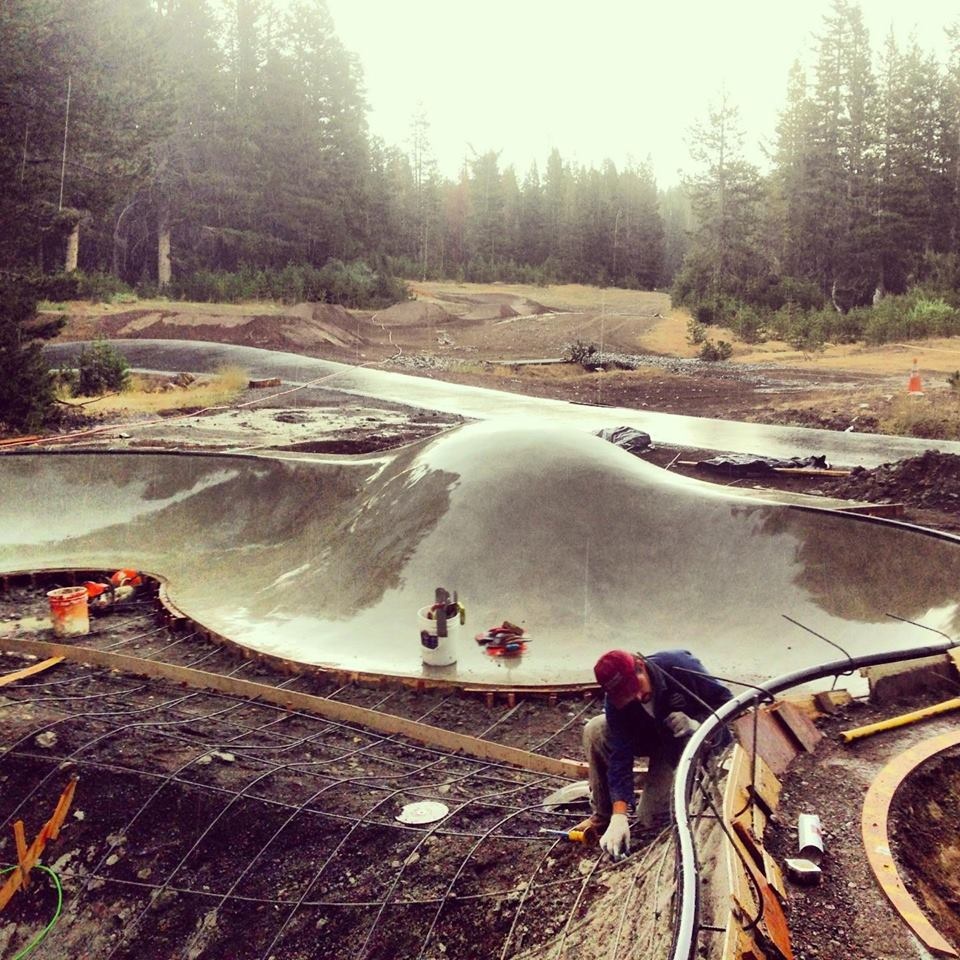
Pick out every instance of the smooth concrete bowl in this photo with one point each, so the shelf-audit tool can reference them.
(327, 560)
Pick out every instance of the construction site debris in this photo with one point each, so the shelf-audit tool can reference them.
(633, 440)
(506, 640)
(930, 480)
(802, 871)
(423, 811)
(745, 465)
(809, 837)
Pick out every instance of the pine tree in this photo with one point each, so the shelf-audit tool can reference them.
(26, 383)
(724, 252)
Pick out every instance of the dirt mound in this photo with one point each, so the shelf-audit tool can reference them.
(304, 327)
(521, 306)
(412, 313)
(490, 312)
(931, 480)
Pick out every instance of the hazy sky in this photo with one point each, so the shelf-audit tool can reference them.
(594, 78)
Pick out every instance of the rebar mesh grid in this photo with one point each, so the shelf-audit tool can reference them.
(214, 826)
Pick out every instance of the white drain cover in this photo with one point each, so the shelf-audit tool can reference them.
(423, 811)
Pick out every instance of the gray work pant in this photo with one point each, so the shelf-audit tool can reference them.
(655, 799)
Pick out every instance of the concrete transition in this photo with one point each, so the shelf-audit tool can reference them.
(326, 560)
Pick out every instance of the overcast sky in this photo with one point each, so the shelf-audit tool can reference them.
(595, 78)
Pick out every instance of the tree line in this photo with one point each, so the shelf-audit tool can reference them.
(158, 140)
(855, 230)
(220, 149)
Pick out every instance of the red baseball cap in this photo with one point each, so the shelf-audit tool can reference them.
(616, 672)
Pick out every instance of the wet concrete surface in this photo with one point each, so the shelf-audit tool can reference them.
(327, 559)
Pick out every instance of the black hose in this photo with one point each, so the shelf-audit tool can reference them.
(688, 892)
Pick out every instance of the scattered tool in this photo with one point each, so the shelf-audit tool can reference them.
(505, 640)
(121, 587)
(575, 836)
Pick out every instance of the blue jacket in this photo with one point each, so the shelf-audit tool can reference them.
(633, 732)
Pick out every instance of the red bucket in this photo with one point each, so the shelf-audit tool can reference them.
(69, 611)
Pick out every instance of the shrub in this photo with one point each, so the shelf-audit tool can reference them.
(712, 352)
(696, 332)
(101, 287)
(807, 331)
(579, 351)
(748, 325)
(932, 318)
(101, 369)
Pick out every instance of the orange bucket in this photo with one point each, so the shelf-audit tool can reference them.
(69, 611)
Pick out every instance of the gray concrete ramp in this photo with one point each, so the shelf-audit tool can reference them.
(327, 560)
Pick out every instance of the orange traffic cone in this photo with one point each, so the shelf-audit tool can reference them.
(913, 385)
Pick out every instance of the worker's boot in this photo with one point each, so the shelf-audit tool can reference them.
(593, 828)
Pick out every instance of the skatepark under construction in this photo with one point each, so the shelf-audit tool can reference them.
(232, 822)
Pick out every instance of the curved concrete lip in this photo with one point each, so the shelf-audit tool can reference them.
(326, 561)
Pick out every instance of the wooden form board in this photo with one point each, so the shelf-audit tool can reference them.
(749, 867)
(781, 731)
(308, 703)
(27, 857)
(876, 839)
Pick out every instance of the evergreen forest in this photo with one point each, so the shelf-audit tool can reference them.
(219, 149)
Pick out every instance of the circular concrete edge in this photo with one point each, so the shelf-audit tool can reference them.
(178, 621)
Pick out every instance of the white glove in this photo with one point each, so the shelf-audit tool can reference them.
(679, 724)
(616, 840)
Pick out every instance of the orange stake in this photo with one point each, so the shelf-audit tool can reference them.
(28, 856)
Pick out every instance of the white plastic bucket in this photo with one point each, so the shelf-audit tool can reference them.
(437, 651)
(69, 611)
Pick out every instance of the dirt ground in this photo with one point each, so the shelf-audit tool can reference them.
(845, 914)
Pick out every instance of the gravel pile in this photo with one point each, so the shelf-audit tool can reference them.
(931, 480)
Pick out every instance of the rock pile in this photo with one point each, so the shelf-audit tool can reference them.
(931, 480)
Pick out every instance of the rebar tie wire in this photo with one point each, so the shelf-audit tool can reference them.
(371, 745)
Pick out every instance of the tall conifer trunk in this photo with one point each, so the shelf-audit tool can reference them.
(73, 249)
(164, 273)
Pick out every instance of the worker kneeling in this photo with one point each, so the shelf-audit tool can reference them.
(651, 706)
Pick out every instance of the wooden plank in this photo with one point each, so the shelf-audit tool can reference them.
(308, 703)
(774, 875)
(802, 729)
(774, 744)
(815, 705)
(21, 843)
(767, 785)
(30, 671)
(28, 856)
(812, 471)
(954, 655)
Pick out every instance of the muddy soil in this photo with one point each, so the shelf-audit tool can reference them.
(845, 914)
